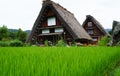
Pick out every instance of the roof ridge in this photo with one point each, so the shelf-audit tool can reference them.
(62, 7)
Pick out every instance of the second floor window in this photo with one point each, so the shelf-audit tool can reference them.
(90, 31)
(89, 24)
(95, 38)
(58, 29)
(45, 31)
(51, 21)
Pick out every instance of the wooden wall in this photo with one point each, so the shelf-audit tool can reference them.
(96, 32)
(54, 38)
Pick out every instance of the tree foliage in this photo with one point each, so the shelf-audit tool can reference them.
(16, 43)
(61, 43)
(3, 32)
(12, 35)
(104, 41)
(7, 35)
(21, 35)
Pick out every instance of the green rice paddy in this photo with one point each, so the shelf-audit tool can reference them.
(58, 61)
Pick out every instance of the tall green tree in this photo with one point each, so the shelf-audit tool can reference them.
(21, 35)
(3, 32)
(12, 35)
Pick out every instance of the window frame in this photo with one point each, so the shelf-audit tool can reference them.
(45, 32)
(51, 21)
(57, 30)
(90, 31)
(90, 24)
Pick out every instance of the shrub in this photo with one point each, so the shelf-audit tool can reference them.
(74, 44)
(118, 43)
(6, 39)
(46, 42)
(104, 41)
(16, 43)
(61, 43)
(4, 44)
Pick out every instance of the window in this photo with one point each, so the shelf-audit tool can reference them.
(89, 24)
(58, 29)
(51, 21)
(95, 38)
(90, 31)
(45, 31)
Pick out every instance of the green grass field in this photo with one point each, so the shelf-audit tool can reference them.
(58, 61)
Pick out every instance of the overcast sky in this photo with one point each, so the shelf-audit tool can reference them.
(23, 13)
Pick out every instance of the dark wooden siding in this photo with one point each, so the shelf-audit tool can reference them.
(52, 36)
(49, 14)
(58, 23)
(96, 32)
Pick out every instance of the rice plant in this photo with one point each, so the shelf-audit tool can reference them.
(58, 61)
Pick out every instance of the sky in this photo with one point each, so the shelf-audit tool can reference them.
(22, 14)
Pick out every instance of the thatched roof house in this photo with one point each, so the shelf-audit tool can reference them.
(63, 23)
(94, 28)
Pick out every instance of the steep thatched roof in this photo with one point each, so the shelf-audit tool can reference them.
(67, 18)
(114, 29)
(92, 19)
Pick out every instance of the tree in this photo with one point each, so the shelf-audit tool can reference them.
(21, 35)
(3, 32)
(12, 35)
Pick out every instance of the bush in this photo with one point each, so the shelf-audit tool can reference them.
(74, 44)
(4, 44)
(46, 42)
(61, 43)
(16, 43)
(104, 41)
